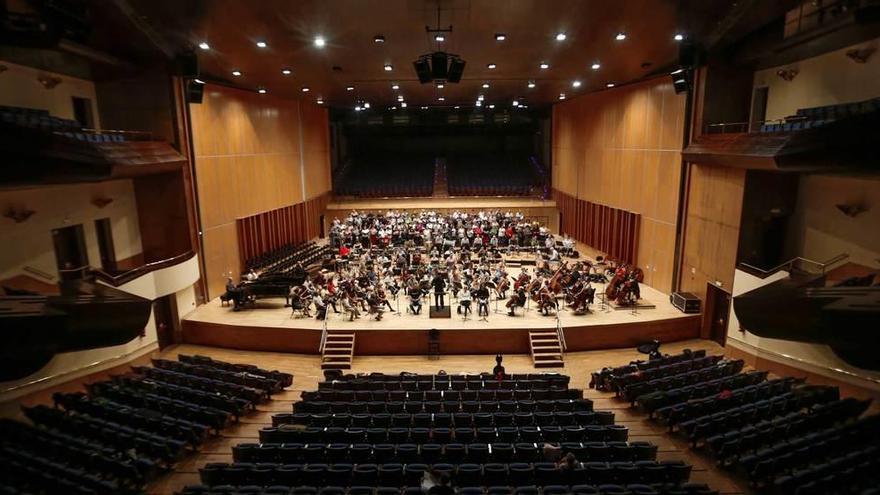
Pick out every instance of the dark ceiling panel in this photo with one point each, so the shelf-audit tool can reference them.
(232, 28)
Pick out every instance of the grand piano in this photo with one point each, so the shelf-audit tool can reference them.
(270, 285)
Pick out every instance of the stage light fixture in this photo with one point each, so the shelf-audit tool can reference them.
(678, 37)
(440, 86)
(403, 104)
(500, 37)
(544, 66)
(531, 84)
(305, 89)
(395, 86)
(320, 41)
(349, 88)
(609, 85)
(479, 103)
(367, 104)
(492, 106)
(620, 36)
(198, 81)
(561, 36)
(378, 39)
(485, 85)
(236, 73)
(561, 96)
(286, 72)
(319, 101)
(204, 45)
(575, 84)
(596, 66)
(262, 44)
(357, 108)
(388, 68)
(515, 103)
(491, 66)
(439, 38)
(262, 91)
(441, 98)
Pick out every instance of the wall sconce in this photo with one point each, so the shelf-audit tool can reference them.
(861, 55)
(49, 82)
(787, 74)
(852, 210)
(101, 201)
(18, 214)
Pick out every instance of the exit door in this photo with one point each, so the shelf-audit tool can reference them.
(70, 252)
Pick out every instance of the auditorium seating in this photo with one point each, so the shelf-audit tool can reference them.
(807, 118)
(380, 433)
(41, 120)
(388, 176)
(126, 431)
(488, 175)
(284, 258)
(785, 436)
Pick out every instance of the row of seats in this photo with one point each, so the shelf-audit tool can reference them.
(604, 489)
(487, 394)
(449, 407)
(430, 453)
(41, 120)
(808, 118)
(394, 176)
(464, 475)
(286, 379)
(620, 383)
(456, 383)
(268, 385)
(212, 385)
(721, 369)
(281, 254)
(655, 400)
(447, 420)
(604, 379)
(551, 433)
(490, 175)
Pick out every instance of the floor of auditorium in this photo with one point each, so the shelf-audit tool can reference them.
(307, 373)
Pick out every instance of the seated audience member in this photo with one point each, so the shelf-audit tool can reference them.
(498, 371)
(568, 463)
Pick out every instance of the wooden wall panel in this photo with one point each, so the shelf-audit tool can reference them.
(621, 148)
(610, 230)
(251, 154)
(711, 235)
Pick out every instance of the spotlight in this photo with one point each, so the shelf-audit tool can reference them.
(357, 108)
(204, 45)
(286, 72)
(544, 66)
(440, 86)
(492, 106)
(395, 86)
(403, 104)
(531, 84)
(456, 107)
(595, 66)
(441, 99)
(576, 84)
(485, 85)
(609, 85)
(560, 36)
(480, 98)
(491, 66)
(439, 38)
(320, 101)
(500, 37)
(198, 81)
(515, 103)
(424, 108)
(561, 96)
(320, 41)
(678, 37)
(479, 103)
(366, 104)
(305, 89)
(349, 88)
(378, 39)
(388, 68)
(261, 44)
(620, 36)
(236, 73)
(399, 97)
(262, 91)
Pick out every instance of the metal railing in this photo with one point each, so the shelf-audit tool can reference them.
(560, 333)
(324, 333)
(123, 278)
(792, 264)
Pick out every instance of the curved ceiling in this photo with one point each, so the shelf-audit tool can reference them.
(350, 56)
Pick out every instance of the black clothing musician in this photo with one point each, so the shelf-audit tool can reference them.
(415, 300)
(517, 299)
(483, 301)
(439, 284)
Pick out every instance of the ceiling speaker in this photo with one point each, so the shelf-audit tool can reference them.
(680, 80)
(439, 65)
(423, 69)
(456, 69)
(194, 92)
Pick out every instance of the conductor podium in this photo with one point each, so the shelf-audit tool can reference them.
(438, 312)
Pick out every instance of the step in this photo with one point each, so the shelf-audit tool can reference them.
(337, 352)
(547, 355)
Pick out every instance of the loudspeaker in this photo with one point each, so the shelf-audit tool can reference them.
(194, 92)
(439, 65)
(188, 64)
(680, 80)
(456, 69)
(686, 302)
(423, 69)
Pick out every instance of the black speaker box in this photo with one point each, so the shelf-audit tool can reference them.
(456, 70)
(194, 92)
(439, 65)
(686, 302)
(423, 70)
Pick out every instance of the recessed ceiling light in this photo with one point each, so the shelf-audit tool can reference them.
(609, 85)
(349, 88)
(357, 108)
(561, 36)
(596, 66)
(395, 86)
(515, 103)
(479, 103)
(261, 44)
(366, 105)
(440, 85)
(485, 85)
(678, 37)
(378, 39)
(286, 72)
(236, 73)
(561, 96)
(575, 84)
(403, 104)
(262, 91)
(388, 67)
(439, 37)
(500, 36)
(480, 98)
(198, 81)
(320, 41)
(620, 36)
(491, 66)
(399, 97)
(424, 108)
(531, 84)
(441, 99)
(305, 89)
(457, 107)
(204, 45)
(492, 106)
(320, 101)
(544, 66)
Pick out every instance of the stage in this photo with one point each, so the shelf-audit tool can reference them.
(270, 327)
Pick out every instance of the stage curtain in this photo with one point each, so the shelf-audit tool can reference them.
(294, 224)
(611, 230)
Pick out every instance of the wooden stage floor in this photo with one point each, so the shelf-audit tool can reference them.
(307, 373)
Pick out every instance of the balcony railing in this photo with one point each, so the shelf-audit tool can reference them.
(117, 279)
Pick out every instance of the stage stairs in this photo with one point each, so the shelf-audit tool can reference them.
(338, 351)
(546, 349)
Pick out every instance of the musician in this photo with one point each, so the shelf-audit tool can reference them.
(439, 284)
(415, 299)
(464, 301)
(376, 305)
(349, 306)
(320, 302)
(483, 300)
(251, 275)
(554, 254)
(518, 299)
(567, 244)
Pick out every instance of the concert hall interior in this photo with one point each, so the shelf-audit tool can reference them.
(405, 247)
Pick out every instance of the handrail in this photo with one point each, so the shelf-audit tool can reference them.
(560, 333)
(789, 265)
(40, 273)
(125, 277)
(323, 335)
